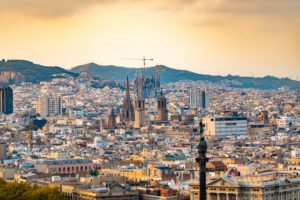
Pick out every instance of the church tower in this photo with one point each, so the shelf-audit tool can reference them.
(162, 111)
(139, 106)
(127, 113)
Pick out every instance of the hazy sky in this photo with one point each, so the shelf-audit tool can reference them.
(245, 37)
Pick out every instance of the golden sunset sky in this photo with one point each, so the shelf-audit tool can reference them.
(240, 37)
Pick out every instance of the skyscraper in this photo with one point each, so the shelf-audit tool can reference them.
(203, 99)
(48, 105)
(127, 112)
(198, 99)
(6, 100)
(162, 111)
(139, 107)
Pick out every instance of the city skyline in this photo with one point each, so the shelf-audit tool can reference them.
(209, 37)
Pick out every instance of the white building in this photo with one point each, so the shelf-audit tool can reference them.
(223, 126)
(287, 121)
(49, 105)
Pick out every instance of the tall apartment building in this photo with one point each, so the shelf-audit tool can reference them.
(49, 105)
(6, 100)
(198, 99)
(223, 126)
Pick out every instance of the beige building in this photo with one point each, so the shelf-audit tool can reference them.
(3, 150)
(86, 192)
(48, 105)
(251, 188)
(7, 173)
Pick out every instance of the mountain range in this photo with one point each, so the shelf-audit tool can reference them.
(31, 72)
(35, 73)
(168, 75)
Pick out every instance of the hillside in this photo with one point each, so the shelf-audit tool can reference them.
(169, 75)
(32, 72)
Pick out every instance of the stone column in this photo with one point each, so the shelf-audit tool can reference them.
(218, 196)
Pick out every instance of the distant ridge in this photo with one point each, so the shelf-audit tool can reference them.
(169, 75)
(35, 73)
(32, 72)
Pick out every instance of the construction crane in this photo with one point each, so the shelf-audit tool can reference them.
(144, 59)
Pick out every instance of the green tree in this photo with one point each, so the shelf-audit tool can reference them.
(23, 191)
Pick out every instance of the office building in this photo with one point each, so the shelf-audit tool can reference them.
(223, 126)
(6, 100)
(49, 106)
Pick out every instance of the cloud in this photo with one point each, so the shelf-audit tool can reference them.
(49, 7)
(67, 7)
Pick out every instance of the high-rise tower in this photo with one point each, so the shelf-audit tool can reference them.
(202, 160)
(139, 107)
(198, 99)
(162, 111)
(203, 99)
(6, 100)
(127, 113)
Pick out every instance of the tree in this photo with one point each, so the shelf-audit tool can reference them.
(23, 191)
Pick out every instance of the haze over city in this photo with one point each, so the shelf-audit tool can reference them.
(258, 37)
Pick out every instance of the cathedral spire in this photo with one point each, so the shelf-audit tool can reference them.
(127, 111)
(127, 88)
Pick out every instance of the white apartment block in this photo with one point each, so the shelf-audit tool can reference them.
(223, 126)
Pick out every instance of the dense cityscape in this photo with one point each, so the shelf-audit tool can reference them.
(141, 139)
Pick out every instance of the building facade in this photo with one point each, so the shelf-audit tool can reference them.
(68, 166)
(223, 126)
(3, 150)
(6, 100)
(227, 188)
(49, 106)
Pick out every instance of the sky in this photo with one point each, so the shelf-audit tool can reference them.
(238, 37)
